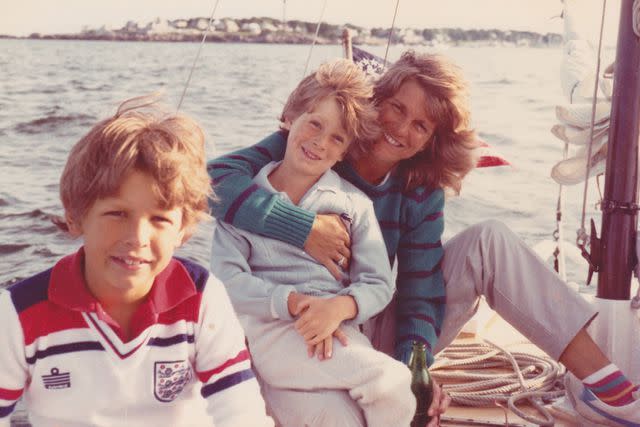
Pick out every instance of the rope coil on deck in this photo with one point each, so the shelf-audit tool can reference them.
(534, 378)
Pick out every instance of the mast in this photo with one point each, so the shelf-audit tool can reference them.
(346, 44)
(619, 206)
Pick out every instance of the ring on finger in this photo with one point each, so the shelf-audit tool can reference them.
(341, 261)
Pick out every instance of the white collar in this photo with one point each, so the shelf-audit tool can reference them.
(329, 181)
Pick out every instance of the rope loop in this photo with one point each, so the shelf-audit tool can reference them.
(520, 376)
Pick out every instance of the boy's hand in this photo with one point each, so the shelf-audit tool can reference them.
(321, 316)
(292, 303)
(329, 242)
(324, 350)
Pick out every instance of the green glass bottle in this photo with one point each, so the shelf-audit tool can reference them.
(421, 385)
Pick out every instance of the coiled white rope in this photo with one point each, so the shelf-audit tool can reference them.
(531, 377)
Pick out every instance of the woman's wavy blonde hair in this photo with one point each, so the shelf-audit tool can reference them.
(449, 155)
(141, 136)
(347, 83)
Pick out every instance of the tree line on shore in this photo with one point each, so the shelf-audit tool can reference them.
(270, 30)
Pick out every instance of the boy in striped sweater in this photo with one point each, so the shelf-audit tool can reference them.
(121, 332)
(291, 306)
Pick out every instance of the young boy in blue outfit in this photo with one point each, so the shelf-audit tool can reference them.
(121, 332)
(292, 307)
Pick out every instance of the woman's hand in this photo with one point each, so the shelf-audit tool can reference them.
(439, 404)
(328, 243)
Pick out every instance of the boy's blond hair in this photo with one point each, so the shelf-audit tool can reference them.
(141, 136)
(348, 84)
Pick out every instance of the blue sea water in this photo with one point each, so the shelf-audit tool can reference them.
(53, 91)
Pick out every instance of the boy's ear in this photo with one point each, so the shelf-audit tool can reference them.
(75, 228)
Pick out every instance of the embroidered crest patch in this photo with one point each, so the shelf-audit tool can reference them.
(170, 378)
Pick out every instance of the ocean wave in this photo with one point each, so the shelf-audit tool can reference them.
(57, 89)
(7, 199)
(84, 87)
(36, 213)
(10, 282)
(46, 252)
(6, 249)
(52, 123)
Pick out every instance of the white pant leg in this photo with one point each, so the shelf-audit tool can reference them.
(379, 384)
(301, 408)
(489, 260)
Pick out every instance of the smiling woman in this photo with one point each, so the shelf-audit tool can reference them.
(408, 130)
(424, 114)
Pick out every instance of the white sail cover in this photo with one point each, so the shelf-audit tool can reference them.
(578, 77)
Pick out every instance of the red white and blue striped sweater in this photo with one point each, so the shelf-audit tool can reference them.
(64, 355)
(411, 222)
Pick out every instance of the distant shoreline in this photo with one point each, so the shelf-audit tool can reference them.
(299, 40)
(272, 31)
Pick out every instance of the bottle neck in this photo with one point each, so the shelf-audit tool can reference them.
(418, 357)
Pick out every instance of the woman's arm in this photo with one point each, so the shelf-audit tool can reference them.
(247, 206)
(370, 285)
(370, 276)
(421, 292)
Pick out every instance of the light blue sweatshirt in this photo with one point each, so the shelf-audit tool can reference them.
(260, 272)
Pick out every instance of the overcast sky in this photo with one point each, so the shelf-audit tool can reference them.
(23, 17)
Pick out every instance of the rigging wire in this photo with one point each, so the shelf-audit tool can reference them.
(393, 23)
(315, 37)
(195, 61)
(581, 239)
